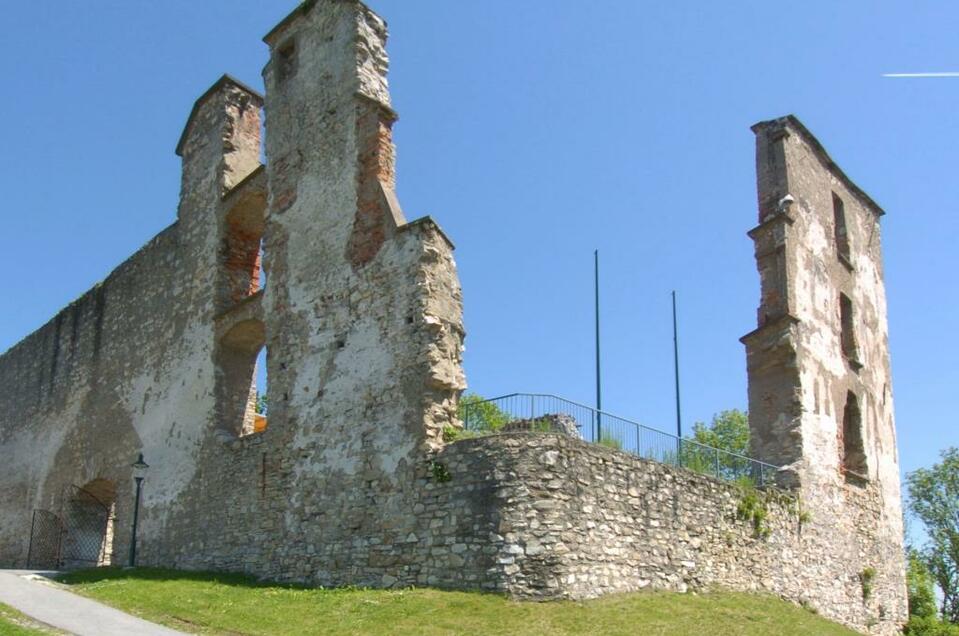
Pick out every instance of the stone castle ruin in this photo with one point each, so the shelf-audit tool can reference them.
(349, 479)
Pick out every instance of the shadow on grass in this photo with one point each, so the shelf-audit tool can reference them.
(96, 575)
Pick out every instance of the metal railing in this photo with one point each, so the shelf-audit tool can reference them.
(606, 429)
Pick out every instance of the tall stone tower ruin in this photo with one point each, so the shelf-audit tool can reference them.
(820, 390)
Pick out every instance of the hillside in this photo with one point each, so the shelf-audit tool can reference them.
(230, 604)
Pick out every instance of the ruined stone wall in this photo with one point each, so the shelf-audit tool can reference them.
(127, 367)
(547, 516)
(351, 482)
(820, 392)
(310, 500)
(76, 390)
(361, 317)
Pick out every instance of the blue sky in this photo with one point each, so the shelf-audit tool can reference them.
(534, 132)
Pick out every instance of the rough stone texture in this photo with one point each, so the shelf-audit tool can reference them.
(805, 368)
(351, 483)
(549, 516)
(555, 423)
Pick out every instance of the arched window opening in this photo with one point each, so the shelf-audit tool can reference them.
(847, 336)
(285, 60)
(241, 252)
(853, 460)
(241, 379)
(261, 384)
(260, 269)
(262, 137)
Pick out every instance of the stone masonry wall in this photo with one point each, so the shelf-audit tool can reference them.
(362, 316)
(548, 516)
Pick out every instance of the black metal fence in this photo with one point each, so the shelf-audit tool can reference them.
(613, 431)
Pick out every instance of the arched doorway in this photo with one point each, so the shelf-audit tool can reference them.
(89, 518)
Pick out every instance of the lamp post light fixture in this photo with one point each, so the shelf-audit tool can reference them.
(139, 472)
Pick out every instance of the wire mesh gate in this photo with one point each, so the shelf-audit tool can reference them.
(46, 534)
(78, 538)
(86, 522)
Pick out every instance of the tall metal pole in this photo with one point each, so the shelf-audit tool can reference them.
(679, 420)
(136, 516)
(599, 391)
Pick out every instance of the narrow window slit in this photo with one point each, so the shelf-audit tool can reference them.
(840, 231)
(853, 461)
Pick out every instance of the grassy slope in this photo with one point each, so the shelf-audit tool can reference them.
(216, 604)
(13, 623)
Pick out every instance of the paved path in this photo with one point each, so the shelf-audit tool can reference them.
(41, 599)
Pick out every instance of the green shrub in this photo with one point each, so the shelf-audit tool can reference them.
(440, 472)
(866, 577)
(698, 459)
(919, 586)
(929, 626)
(610, 441)
(752, 507)
(541, 425)
(453, 433)
(478, 414)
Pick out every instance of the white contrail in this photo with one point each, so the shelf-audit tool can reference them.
(946, 74)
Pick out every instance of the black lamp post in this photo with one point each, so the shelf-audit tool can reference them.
(139, 472)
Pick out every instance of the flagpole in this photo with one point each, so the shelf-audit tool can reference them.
(599, 393)
(679, 420)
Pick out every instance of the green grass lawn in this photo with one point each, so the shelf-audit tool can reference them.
(229, 604)
(13, 623)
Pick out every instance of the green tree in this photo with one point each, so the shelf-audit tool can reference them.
(479, 414)
(934, 500)
(262, 405)
(919, 584)
(728, 431)
(929, 626)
